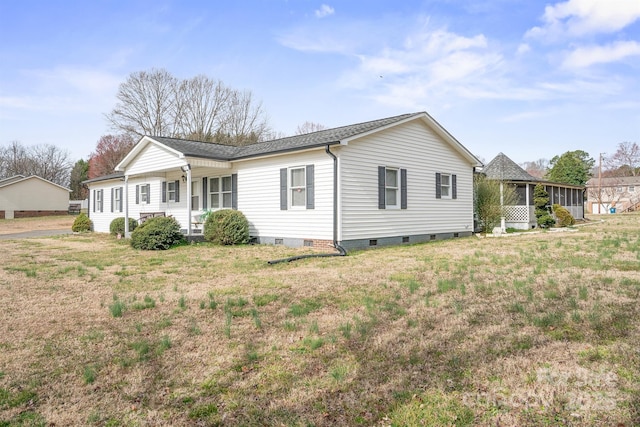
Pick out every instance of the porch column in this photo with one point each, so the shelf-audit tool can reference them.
(526, 202)
(188, 194)
(503, 224)
(127, 232)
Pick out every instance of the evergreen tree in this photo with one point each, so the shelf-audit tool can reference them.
(541, 203)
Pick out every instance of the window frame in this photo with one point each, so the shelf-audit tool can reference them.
(171, 191)
(144, 194)
(395, 188)
(195, 194)
(293, 189)
(99, 200)
(221, 192)
(117, 199)
(444, 186)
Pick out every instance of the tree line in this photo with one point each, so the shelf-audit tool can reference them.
(156, 103)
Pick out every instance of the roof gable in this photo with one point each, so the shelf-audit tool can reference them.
(19, 179)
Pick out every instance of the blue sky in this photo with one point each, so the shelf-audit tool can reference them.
(528, 78)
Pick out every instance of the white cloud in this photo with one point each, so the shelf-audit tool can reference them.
(581, 17)
(586, 56)
(523, 48)
(324, 11)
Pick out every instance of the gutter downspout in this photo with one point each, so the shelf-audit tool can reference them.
(341, 251)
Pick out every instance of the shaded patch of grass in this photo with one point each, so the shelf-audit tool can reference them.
(432, 408)
(305, 307)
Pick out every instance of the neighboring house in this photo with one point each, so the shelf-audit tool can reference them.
(22, 197)
(522, 215)
(613, 194)
(401, 179)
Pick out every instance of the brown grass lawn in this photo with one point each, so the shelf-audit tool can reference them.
(528, 330)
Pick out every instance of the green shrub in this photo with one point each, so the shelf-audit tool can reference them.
(157, 234)
(82, 224)
(227, 227)
(565, 219)
(117, 226)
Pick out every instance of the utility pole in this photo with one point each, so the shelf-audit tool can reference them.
(600, 184)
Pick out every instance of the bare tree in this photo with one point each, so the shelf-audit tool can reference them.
(155, 103)
(46, 161)
(147, 104)
(625, 161)
(308, 127)
(608, 195)
(537, 168)
(245, 121)
(201, 107)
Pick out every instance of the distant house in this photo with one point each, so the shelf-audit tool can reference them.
(613, 194)
(401, 179)
(522, 215)
(22, 197)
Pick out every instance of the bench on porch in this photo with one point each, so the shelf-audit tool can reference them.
(74, 208)
(147, 215)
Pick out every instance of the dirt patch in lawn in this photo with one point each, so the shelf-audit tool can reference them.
(10, 226)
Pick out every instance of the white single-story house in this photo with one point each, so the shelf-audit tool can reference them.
(22, 197)
(613, 194)
(522, 215)
(401, 179)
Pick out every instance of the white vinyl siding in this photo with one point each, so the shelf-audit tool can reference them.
(259, 197)
(423, 153)
(154, 158)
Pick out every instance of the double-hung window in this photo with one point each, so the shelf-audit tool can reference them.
(144, 194)
(392, 188)
(297, 187)
(116, 199)
(98, 196)
(446, 186)
(195, 195)
(220, 192)
(171, 190)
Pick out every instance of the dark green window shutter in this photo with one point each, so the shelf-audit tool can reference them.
(403, 189)
(234, 191)
(94, 200)
(438, 186)
(177, 184)
(164, 191)
(122, 201)
(283, 189)
(204, 193)
(310, 187)
(381, 185)
(101, 200)
(148, 193)
(454, 186)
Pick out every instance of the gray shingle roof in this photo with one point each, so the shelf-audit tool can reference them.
(503, 168)
(310, 140)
